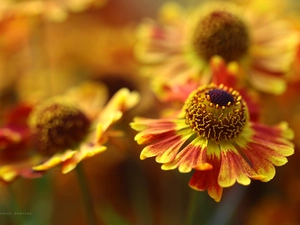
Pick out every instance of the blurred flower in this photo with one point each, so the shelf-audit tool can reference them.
(179, 45)
(16, 153)
(215, 135)
(69, 128)
(53, 10)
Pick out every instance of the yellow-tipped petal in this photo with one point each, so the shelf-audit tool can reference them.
(204, 166)
(66, 168)
(9, 175)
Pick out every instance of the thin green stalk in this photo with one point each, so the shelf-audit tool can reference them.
(89, 208)
(42, 200)
(228, 206)
(139, 193)
(14, 207)
(192, 207)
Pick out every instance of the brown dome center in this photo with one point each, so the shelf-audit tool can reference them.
(221, 33)
(58, 127)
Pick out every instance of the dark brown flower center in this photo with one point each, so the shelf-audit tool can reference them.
(221, 33)
(216, 112)
(220, 97)
(58, 127)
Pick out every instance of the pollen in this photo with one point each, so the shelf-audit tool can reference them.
(57, 126)
(216, 112)
(221, 33)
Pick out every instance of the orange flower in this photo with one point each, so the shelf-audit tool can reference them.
(179, 45)
(215, 135)
(70, 128)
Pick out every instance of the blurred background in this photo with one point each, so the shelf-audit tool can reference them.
(51, 45)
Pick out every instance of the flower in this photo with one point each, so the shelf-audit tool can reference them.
(180, 44)
(215, 135)
(16, 153)
(70, 128)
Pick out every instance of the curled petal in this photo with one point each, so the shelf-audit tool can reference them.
(208, 180)
(70, 159)
(54, 160)
(120, 102)
(103, 127)
(85, 152)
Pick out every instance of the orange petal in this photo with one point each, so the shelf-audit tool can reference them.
(235, 168)
(208, 180)
(193, 156)
(260, 164)
(165, 150)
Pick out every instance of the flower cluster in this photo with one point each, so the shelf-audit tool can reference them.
(210, 60)
(215, 135)
(210, 91)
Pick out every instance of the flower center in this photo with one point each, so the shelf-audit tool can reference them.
(57, 126)
(221, 33)
(216, 112)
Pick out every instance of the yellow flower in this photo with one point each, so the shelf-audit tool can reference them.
(176, 47)
(214, 136)
(70, 128)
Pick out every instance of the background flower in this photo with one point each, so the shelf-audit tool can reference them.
(73, 127)
(178, 46)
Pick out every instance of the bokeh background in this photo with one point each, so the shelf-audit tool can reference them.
(44, 50)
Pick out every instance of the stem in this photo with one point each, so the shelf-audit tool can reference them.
(14, 207)
(192, 206)
(42, 201)
(92, 220)
(228, 206)
(139, 193)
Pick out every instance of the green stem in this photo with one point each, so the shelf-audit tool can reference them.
(14, 207)
(90, 213)
(228, 206)
(192, 206)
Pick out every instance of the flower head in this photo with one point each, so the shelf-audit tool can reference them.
(215, 135)
(221, 32)
(70, 128)
(216, 112)
(177, 48)
(58, 125)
